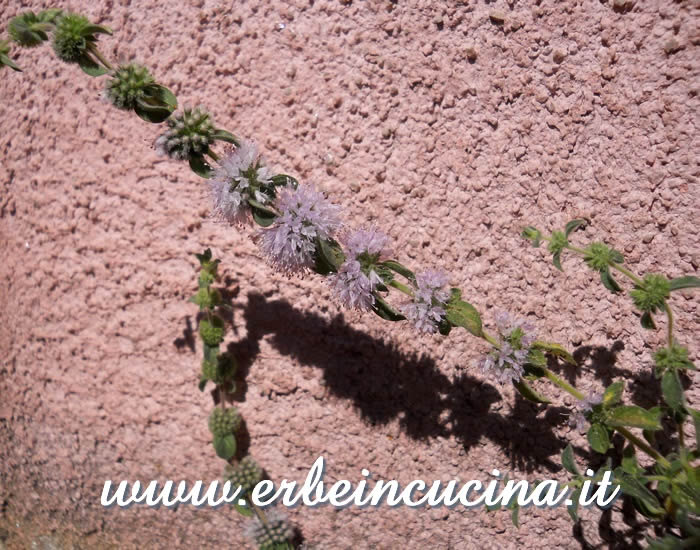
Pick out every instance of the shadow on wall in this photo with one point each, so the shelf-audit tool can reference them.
(385, 383)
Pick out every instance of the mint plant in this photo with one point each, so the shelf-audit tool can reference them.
(269, 530)
(301, 232)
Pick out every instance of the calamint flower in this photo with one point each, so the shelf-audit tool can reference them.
(357, 277)
(305, 215)
(584, 406)
(241, 175)
(427, 310)
(190, 133)
(267, 536)
(507, 363)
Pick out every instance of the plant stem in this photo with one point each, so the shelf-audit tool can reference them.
(627, 273)
(99, 56)
(669, 314)
(213, 155)
(402, 287)
(643, 446)
(563, 384)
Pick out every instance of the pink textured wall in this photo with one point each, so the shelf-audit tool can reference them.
(569, 109)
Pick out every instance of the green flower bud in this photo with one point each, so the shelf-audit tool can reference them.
(128, 84)
(558, 242)
(247, 474)
(71, 38)
(652, 294)
(532, 234)
(212, 332)
(223, 422)
(673, 358)
(272, 534)
(190, 134)
(599, 256)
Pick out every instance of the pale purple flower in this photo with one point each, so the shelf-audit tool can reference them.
(305, 215)
(357, 279)
(276, 531)
(241, 175)
(507, 362)
(584, 406)
(427, 310)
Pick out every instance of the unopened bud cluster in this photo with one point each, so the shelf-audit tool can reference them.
(223, 422)
(190, 134)
(246, 474)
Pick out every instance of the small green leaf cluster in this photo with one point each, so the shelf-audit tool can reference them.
(74, 42)
(29, 29)
(132, 87)
(610, 414)
(5, 59)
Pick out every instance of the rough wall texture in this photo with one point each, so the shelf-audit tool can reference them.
(445, 128)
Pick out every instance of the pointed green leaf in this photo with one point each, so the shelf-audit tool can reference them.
(528, 393)
(263, 215)
(200, 166)
(164, 95)
(228, 137)
(613, 393)
(202, 383)
(696, 423)
(400, 269)
(463, 314)
(608, 282)
(515, 512)
(48, 16)
(629, 461)
(688, 281)
(328, 256)
(151, 112)
(647, 321)
(225, 446)
(90, 66)
(385, 311)
(634, 417)
(554, 349)
(672, 390)
(573, 507)
(633, 487)
(556, 260)
(598, 438)
(283, 180)
(5, 60)
(568, 460)
(245, 511)
(95, 29)
(573, 225)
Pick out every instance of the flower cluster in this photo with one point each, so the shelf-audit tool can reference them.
(190, 133)
(128, 84)
(507, 361)
(427, 310)
(305, 216)
(584, 406)
(246, 474)
(240, 176)
(267, 535)
(357, 277)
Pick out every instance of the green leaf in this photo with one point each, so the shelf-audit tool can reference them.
(200, 166)
(598, 438)
(556, 350)
(629, 461)
(400, 269)
(95, 29)
(688, 281)
(647, 321)
(152, 112)
(686, 497)
(385, 311)
(613, 393)
(202, 383)
(608, 282)
(616, 256)
(515, 512)
(633, 487)
(463, 314)
(245, 511)
(672, 390)
(532, 234)
(90, 66)
(5, 60)
(568, 461)
(573, 507)
(228, 137)
(634, 417)
(263, 215)
(556, 260)
(573, 225)
(528, 393)
(328, 256)
(48, 16)
(225, 446)
(696, 423)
